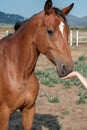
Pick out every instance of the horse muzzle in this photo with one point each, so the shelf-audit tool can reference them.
(64, 69)
(64, 65)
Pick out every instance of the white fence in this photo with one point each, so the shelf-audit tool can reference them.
(78, 36)
(3, 34)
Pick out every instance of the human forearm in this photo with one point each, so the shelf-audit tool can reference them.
(82, 79)
(79, 76)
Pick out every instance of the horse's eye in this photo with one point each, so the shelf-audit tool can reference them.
(50, 32)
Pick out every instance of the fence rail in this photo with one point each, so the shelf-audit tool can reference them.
(78, 36)
(3, 34)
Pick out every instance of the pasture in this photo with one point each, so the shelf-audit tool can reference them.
(61, 105)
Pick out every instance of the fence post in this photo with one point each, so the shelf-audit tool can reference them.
(7, 33)
(70, 38)
(77, 38)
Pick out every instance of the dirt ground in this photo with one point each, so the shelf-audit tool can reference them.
(65, 115)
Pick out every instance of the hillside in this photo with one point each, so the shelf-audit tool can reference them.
(10, 18)
(76, 21)
(13, 18)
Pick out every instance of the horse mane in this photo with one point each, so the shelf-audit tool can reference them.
(56, 10)
(19, 24)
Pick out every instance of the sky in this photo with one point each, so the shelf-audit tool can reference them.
(27, 8)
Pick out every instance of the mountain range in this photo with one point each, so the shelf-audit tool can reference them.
(75, 21)
(10, 18)
(13, 18)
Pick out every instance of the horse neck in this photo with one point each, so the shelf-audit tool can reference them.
(27, 51)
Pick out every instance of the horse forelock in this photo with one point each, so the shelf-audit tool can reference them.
(60, 13)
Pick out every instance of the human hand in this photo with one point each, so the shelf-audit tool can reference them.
(71, 75)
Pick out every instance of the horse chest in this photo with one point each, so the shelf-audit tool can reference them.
(15, 99)
(24, 95)
(17, 91)
(30, 96)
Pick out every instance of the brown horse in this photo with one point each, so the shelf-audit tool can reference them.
(47, 33)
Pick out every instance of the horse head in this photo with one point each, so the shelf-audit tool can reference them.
(52, 37)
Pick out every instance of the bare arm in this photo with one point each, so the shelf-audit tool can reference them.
(79, 76)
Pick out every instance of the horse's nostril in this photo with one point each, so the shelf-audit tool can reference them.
(64, 69)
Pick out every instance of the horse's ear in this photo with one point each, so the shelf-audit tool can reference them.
(48, 7)
(67, 9)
